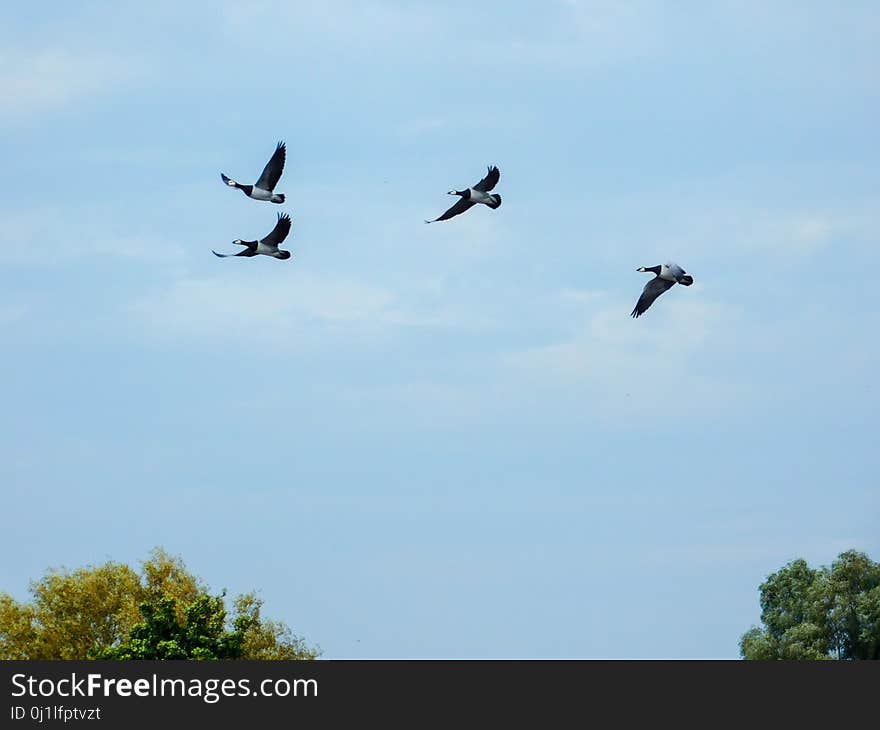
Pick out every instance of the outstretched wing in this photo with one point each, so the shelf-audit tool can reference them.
(280, 231)
(273, 169)
(246, 252)
(652, 290)
(490, 181)
(460, 207)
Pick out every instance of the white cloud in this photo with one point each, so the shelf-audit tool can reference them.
(790, 232)
(11, 314)
(594, 34)
(733, 217)
(579, 297)
(569, 34)
(607, 343)
(291, 307)
(354, 25)
(80, 231)
(628, 368)
(52, 78)
(272, 306)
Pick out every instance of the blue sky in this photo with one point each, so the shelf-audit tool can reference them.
(446, 440)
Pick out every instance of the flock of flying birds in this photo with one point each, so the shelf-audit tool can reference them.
(666, 275)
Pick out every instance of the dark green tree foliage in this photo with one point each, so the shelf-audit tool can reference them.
(824, 613)
(201, 635)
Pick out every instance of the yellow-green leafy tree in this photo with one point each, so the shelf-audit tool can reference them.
(100, 611)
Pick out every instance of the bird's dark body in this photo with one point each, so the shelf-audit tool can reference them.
(667, 276)
(264, 188)
(469, 197)
(266, 246)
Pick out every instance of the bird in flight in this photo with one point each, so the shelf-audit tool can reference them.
(479, 193)
(268, 245)
(667, 276)
(264, 187)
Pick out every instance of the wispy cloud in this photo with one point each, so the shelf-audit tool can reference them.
(52, 78)
(801, 232)
(734, 218)
(11, 313)
(628, 368)
(568, 34)
(592, 34)
(607, 343)
(80, 231)
(354, 25)
(288, 309)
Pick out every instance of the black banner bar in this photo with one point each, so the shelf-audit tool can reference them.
(409, 693)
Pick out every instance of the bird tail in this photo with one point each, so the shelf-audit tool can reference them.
(686, 280)
(496, 201)
(278, 198)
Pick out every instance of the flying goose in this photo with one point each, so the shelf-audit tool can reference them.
(479, 193)
(268, 245)
(667, 275)
(262, 189)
